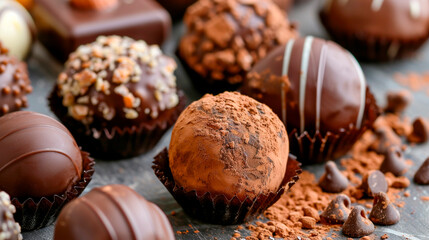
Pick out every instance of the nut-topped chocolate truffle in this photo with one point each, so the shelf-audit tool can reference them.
(376, 29)
(117, 82)
(39, 156)
(9, 229)
(226, 38)
(112, 212)
(314, 86)
(14, 83)
(17, 29)
(229, 144)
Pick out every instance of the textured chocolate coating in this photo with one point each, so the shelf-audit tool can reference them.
(39, 157)
(395, 22)
(229, 145)
(121, 83)
(226, 38)
(113, 212)
(324, 90)
(14, 83)
(17, 29)
(62, 27)
(9, 229)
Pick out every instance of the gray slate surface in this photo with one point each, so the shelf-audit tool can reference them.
(137, 172)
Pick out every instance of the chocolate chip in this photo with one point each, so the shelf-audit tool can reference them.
(358, 224)
(398, 101)
(337, 211)
(386, 138)
(333, 180)
(394, 162)
(422, 175)
(384, 212)
(374, 182)
(420, 133)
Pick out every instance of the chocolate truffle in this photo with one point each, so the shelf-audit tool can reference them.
(9, 230)
(114, 87)
(319, 91)
(39, 156)
(14, 83)
(112, 212)
(64, 25)
(229, 144)
(225, 38)
(377, 30)
(17, 29)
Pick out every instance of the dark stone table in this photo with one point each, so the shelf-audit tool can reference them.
(137, 172)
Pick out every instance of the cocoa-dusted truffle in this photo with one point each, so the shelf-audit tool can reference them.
(17, 29)
(114, 87)
(14, 83)
(229, 144)
(9, 229)
(319, 91)
(228, 159)
(226, 38)
(377, 30)
(112, 212)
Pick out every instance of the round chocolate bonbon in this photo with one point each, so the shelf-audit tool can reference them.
(112, 212)
(39, 156)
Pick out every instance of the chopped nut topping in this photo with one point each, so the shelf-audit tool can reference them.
(116, 65)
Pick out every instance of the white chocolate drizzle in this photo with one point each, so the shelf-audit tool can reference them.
(285, 71)
(376, 5)
(320, 78)
(303, 79)
(362, 91)
(415, 9)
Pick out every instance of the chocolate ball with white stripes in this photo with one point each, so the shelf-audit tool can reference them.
(377, 30)
(319, 91)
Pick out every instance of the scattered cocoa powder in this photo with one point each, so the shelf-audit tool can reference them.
(294, 213)
(425, 198)
(413, 81)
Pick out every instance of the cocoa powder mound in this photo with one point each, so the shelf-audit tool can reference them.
(292, 217)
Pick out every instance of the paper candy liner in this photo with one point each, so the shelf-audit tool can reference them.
(36, 213)
(374, 48)
(320, 148)
(117, 142)
(218, 209)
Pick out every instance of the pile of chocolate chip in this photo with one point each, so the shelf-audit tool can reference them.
(365, 193)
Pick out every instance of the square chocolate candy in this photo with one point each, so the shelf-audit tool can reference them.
(62, 26)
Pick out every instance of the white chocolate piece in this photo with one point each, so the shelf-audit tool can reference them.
(16, 28)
